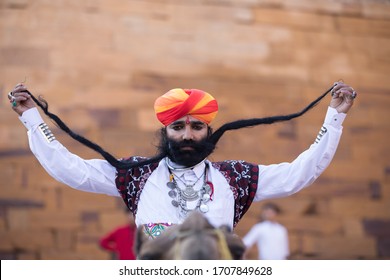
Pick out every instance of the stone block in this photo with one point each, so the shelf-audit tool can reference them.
(308, 245)
(53, 254)
(315, 225)
(358, 26)
(18, 219)
(347, 248)
(6, 244)
(294, 19)
(37, 239)
(359, 208)
(76, 201)
(64, 239)
(353, 227)
(113, 219)
(30, 57)
(41, 219)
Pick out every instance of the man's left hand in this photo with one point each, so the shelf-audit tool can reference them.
(343, 97)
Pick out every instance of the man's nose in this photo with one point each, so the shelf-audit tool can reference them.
(187, 135)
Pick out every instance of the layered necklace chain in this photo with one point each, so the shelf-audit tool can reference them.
(181, 196)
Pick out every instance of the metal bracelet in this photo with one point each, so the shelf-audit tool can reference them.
(46, 132)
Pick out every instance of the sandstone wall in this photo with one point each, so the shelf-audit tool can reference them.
(102, 63)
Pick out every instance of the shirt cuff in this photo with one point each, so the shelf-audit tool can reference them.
(31, 118)
(334, 118)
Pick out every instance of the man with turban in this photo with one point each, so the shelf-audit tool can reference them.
(163, 190)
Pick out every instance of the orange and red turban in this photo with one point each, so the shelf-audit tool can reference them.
(178, 103)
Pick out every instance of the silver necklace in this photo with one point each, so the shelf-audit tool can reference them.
(188, 194)
(181, 197)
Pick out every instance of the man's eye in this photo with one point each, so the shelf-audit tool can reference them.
(177, 127)
(197, 127)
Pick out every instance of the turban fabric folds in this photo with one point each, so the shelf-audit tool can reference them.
(178, 103)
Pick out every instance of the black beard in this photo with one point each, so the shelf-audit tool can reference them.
(174, 150)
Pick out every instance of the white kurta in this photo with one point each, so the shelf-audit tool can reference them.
(98, 176)
(271, 239)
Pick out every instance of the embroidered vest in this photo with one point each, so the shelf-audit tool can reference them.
(241, 176)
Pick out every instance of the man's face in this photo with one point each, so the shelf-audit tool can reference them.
(269, 214)
(187, 128)
(186, 141)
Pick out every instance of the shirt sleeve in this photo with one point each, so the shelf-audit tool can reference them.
(279, 180)
(252, 236)
(93, 175)
(108, 242)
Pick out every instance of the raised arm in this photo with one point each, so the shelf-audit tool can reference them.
(279, 180)
(87, 175)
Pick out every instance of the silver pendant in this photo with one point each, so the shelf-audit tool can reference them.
(206, 197)
(203, 208)
(175, 203)
(172, 194)
(189, 194)
(171, 185)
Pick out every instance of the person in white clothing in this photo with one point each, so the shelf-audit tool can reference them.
(270, 237)
(164, 189)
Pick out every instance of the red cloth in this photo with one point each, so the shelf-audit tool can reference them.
(120, 241)
(178, 103)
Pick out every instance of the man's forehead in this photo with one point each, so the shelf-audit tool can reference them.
(188, 119)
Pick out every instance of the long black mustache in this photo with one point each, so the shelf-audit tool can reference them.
(213, 139)
(196, 146)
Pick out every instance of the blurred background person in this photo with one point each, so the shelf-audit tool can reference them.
(270, 237)
(120, 241)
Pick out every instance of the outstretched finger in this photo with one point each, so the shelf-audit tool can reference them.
(19, 88)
